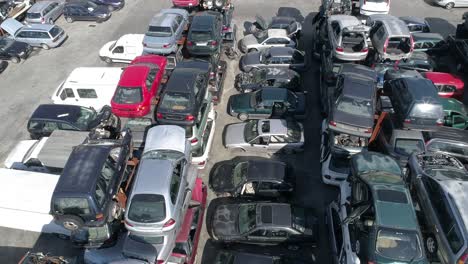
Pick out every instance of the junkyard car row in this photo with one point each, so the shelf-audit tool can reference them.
(114, 161)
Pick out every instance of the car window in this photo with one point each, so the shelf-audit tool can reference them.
(418, 45)
(179, 19)
(100, 192)
(150, 78)
(425, 110)
(128, 95)
(355, 106)
(446, 88)
(72, 206)
(67, 93)
(414, 28)
(108, 171)
(277, 139)
(337, 230)
(408, 146)
(174, 26)
(270, 186)
(86, 93)
(380, 33)
(445, 216)
(458, 120)
(49, 126)
(43, 35)
(360, 193)
(175, 102)
(398, 244)
(65, 126)
(247, 217)
(147, 208)
(23, 34)
(427, 45)
(175, 181)
(118, 49)
(34, 125)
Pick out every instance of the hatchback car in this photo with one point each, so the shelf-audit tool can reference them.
(448, 85)
(49, 117)
(45, 36)
(416, 24)
(347, 37)
(204, 37)
(266, 39)
(245, 221)
(13, 50)
(86, 11)
(45, 12)
(265, 135)
(273, 57)
(163, 184)
(267, 102)
(139, 84)
(251, 177)
(165, 30)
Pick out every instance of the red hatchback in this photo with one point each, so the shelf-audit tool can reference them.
(138, 85)
(449, 85)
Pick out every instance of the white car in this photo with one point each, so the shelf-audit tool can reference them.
(200, 156)
(266, 39)
(125, 49)
(372, 7)
(88, 87)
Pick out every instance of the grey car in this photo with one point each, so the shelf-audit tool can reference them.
(165, 30)
(45, 36)
(347, 38)
(272, 57)
(163, 184)
(266, 39)
(45, 12)
(265, 135)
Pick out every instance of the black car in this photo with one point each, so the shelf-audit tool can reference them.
(415, 102)
(235, 220)
(238, 256)
(416, 24)
(49, 117)
(111, 4)
(254, 177)
(351, 106)
(247, 82)
(184, 94)
(87, 193)
(86, 11)
(13, 50)
(205, 35)
(419, 61)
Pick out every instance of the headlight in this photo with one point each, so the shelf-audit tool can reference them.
(219, 3)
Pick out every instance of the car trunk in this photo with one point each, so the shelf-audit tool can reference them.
(352, 42)
(398, 45)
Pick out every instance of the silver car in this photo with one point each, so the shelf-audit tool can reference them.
(449, 4)
(45, 12)
(45, 36)
(163, 184)
(164, 31)
(266, 39)
(347, 37)
(265, 134)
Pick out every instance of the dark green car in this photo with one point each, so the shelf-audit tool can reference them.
(267, 103)
(382, 221)
(456, 114)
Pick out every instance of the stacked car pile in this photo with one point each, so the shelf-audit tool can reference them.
(382, 91)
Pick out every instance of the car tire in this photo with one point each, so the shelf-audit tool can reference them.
(243, 116)
(252, 50)
(45, 46)
(430, 243)
(449, 5)
(71, 222)
(15, 59)
(69, 19)
(107, 60)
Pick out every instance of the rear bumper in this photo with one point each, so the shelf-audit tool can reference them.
(130, 112)
(157, 51)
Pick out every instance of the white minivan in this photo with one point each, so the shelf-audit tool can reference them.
(124, 50)
(88, 87)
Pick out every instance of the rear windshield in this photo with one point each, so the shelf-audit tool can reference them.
(431, 111)
(398, 244)
(147, 208)
(33, 15)
(200, 35)
(128, 95)
(408, 146)
(147, 239)
(71, 206)
(355, 106)
(54, 31)
(177, 102)
(154, 31)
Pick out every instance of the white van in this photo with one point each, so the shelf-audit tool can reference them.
(25, 201)
(125, 49)
(88, 87)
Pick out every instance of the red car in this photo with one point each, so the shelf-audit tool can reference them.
(187, 239)
(449, 85)
(186, 3)
(138, 85)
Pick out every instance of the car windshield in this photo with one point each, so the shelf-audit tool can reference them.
(33, 15)
(163, 154)
(408, 146)
(85, 118)
(398, 244)
(432, 111)
(239, 173)
(147, 239)
(175, 102)
(5, 43)
(294, 131)
(447, 172)
(54, 31)
(128, 95)
(147, 208)
(355, 106)
(198, 35)
(154, 31)
(250, 130)
(247, 217)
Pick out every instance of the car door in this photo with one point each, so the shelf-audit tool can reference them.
(277, 142)
(25, 36)
(130, 53)
(179, 27)
(119, 54)
(89, 98)
(260, 142)
(258, 235)
(334, 34)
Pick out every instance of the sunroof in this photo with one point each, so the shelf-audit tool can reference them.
(391, 196)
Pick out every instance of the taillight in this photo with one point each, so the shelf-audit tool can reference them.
(214, 43)
(99, 217)
(169, 223)
(159, 261)
(189, 118)
(365, 50)
(166, 45)
(159, 116)
(127, 223)
(332, 123)
(368, 131)
(385, 46)
(225, 28)
(194, 140)
(214, 99)
(463, 259)
(339, 49)
(370, 262)
(189, 43)
(411, 43)
(439, 123)
(407, 121)
(212, 74)
(201, 163)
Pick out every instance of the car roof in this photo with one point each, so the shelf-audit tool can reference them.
(362, 70)
(356, 86)
(162, 19)
(272, 127)
(39, 6)
(273, 94)
(458, 191)
(153, 177)
(203, 21)
(182, 79)
(421, 88)
(273, 214)
(279, 73)
(444, 78)
(408, 134)
(82, 169)
(165, 137)
(396, 213)
(84, 77)
(35, 26)
(134, 75)
(130, 39)
(58, 147)
(394, 25)
(345, 20)
(427, 36)
(266, 170)
(67, 113)
(277, 33)
(157, 61)
(413, 20)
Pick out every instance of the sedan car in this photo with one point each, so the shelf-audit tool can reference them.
(264, 135)
(449, 85)
(266, 39)
(267, 102)
(347, 37)
(138, 85)
(14, 50)
(45, 12)
(235, 220)
(86, 11)
(284, 57)
(252, 177)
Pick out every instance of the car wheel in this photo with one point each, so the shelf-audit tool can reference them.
(449, 6)
(15, 59)
(431, 245)
(71, 222)
(243, 116)
(107, 60)
(45, 46)
(69, 19)
(252, 50)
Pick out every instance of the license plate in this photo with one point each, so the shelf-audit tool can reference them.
(202, 44)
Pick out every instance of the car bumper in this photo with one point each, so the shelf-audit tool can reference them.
(203, 50)
(175, 122)
(130, 112)
(158, 51)
(347, 56)
(366, 12)
(331, 177)
(391, 57)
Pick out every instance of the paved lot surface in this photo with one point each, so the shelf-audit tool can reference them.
(24, 86)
